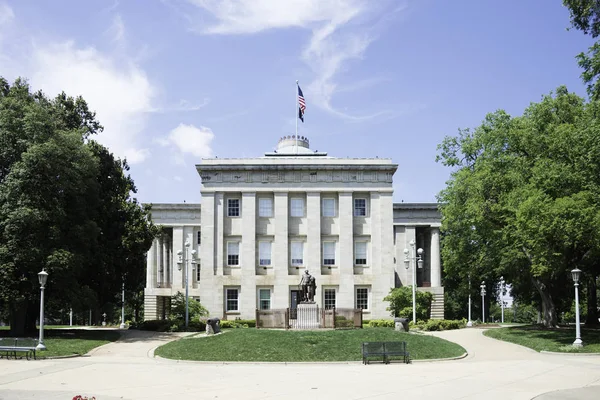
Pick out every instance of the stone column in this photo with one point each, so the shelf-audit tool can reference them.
(177, 245)
(410, 234)
(160, 262)
(280, 250)
(345, 251)
(219, 229)
(165, 257)
(436, 271)
(151, 266)
(247, 300)
(313, 233)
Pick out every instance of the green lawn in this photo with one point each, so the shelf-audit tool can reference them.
(66, 342)
(539, 339)
(327, 345)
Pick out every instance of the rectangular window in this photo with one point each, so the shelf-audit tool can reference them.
(233, 207)
(360, 253)
(297, 207)
(199, 237)
(328, 253)
(297, 253)
(264, 299)
(198, 272)
(232, 297)
(329, 207)
(265, 207)
(362, 298)
(360, 207)
(233, 253)
(329, 298)
(264, 253)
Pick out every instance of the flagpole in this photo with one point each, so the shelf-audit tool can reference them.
(297, 115)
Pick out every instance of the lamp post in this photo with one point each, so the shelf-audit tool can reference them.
(502, 286)
(183, 263)
(482, 286)
(575, 274)
(415, 262)
(122, 326)
(42, 278)
(469, 322)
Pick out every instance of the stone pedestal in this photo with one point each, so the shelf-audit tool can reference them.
(307, 316)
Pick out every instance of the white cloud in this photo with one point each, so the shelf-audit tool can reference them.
(192, 140)
(339, 35)
(6, 14)
(118, 90)
(178, 178)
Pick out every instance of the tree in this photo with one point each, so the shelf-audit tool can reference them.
(195, 309)
(66, 206)
(522, 200)
(401, 303)
(585, 16)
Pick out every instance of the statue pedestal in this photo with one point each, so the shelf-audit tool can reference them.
(307, 316)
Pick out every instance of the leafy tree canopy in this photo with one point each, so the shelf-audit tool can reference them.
(523, 200)
(65, 206)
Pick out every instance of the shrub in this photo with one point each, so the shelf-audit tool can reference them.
(381, 323)
(195, 309)
(401, 302)
(238, 323)
(442, 324)
(156, 325)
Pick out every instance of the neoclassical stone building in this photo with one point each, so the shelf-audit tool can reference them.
(263, 221)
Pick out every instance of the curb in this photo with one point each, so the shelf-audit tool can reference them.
(350, 362)
(464, 355)
(62, 357)
(566, 353)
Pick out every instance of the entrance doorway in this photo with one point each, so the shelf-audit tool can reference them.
(295, 296)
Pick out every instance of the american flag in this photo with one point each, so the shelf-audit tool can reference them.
(301, 104)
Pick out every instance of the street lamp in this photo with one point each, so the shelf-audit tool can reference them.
(502, 288)
(42, 278)
(469, 322)
(183, 262)
(415, 263)
(575, 275)
(482, 286)
(122, 326)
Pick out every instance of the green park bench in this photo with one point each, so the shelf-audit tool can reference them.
(385, 350)
(13, 346)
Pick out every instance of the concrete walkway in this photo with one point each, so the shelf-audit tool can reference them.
(123, 370)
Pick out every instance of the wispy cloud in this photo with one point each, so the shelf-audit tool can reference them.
(341, 32)
(117, 30)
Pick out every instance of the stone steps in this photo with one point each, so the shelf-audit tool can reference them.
(437, 306)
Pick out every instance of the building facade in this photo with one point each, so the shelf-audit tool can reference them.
(263, 221)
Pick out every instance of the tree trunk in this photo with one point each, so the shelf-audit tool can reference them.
(549, 317)
(592, 302)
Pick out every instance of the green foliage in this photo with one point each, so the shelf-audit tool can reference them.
(195, 309)
(585, 16)
(522, 201)
(170, 325)
(66, 206)
(442, 324)
(233, 324)
(381, 323)
(400, 300)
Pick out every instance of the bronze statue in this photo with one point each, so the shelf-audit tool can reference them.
(308, 286)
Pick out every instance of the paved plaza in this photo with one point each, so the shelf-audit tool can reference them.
(126, 370)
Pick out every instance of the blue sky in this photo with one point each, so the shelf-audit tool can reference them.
(174, 81)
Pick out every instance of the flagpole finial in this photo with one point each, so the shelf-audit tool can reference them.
(296, 81)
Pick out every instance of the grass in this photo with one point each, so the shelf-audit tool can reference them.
(68, 342)
(276, 345)
(559, 339)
